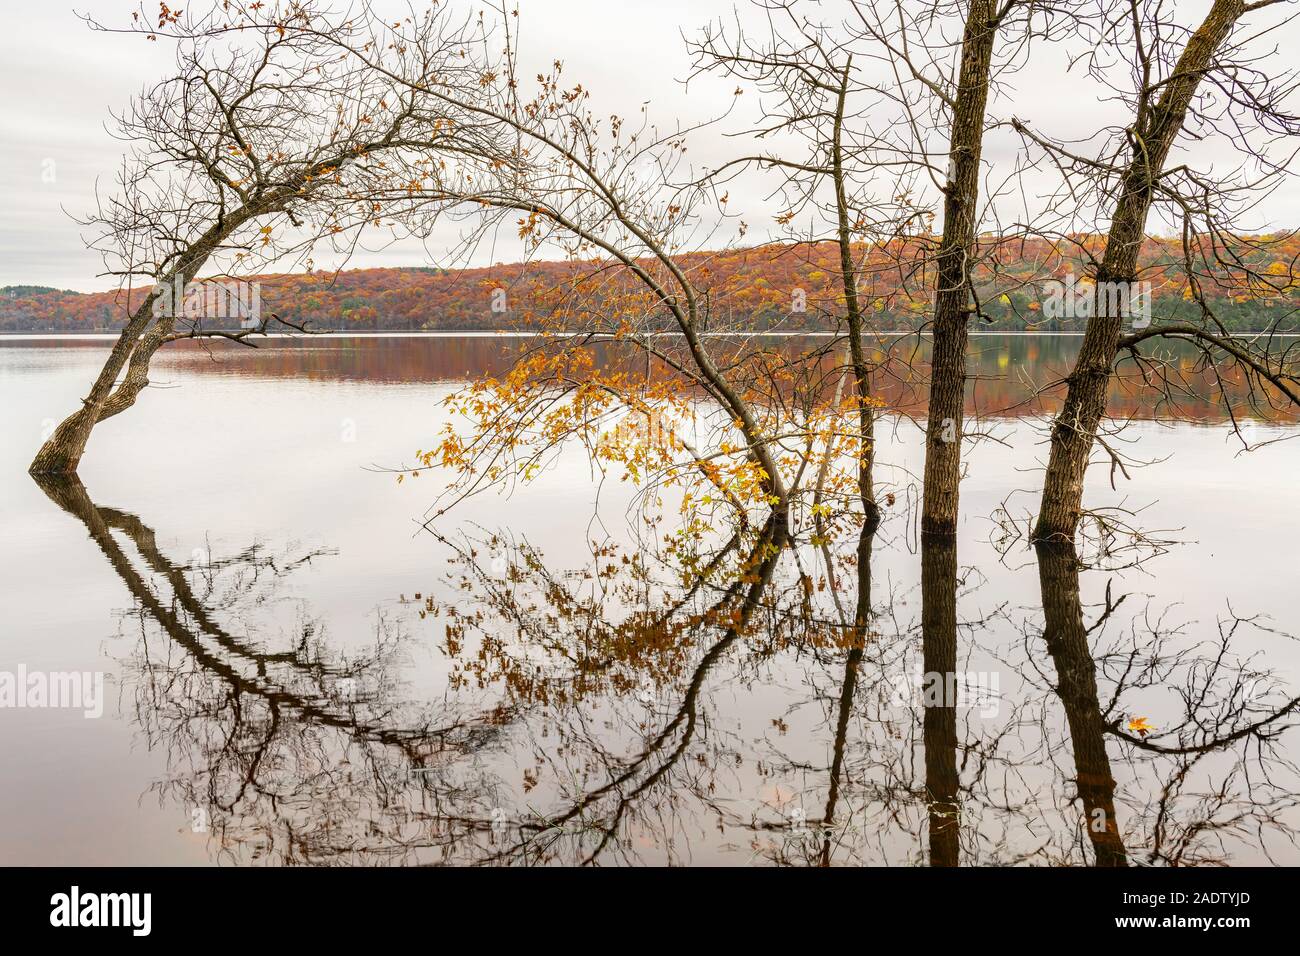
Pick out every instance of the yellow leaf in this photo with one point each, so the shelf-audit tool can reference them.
(1139, 725)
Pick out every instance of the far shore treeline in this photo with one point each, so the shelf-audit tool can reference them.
(773, 287)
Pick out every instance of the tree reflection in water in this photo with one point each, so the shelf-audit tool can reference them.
(622, 712)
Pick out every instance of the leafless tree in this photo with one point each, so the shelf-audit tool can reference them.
(262, 143)
(945, 59)
(603, 192)
(1216, 82)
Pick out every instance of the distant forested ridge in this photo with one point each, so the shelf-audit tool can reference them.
(774, 287)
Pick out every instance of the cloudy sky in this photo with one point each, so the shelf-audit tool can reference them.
(61, 81)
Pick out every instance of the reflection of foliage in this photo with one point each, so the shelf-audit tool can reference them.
(611, 628)
(737, 700)
(1011, 791)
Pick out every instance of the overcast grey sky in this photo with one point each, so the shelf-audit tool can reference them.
(60, 81)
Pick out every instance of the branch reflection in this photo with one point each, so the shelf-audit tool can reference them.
(754, 698)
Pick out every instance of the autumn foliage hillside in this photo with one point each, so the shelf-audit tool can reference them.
(787, 288)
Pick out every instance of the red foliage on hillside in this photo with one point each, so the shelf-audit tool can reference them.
(760, 288)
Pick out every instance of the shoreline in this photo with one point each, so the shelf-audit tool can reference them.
(470, 333)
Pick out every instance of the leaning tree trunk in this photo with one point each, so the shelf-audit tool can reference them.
(1066, 637)
(1075, 427)
(62, 451)
(951, 303)
(136, 379)
(61, 454)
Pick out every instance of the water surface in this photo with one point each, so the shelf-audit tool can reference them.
(298, 672)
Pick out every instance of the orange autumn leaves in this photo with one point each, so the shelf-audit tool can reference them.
(459, 299)
(1139, 726)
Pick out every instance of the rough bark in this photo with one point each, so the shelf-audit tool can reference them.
(139, 340)
(952, 299)
(62, 452)
(136, 379)
(1153, 134)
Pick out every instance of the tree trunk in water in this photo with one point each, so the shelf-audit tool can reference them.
(61, 454)
(862, 382)
(1076, 685)
(62, 451)
(939, 675)
(853, 312)
(136, 379)
(951, 301)
(1075, 428)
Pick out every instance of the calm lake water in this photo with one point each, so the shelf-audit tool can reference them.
(295, 671)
